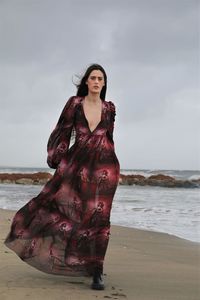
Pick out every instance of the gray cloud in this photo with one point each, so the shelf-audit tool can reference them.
(150, 52)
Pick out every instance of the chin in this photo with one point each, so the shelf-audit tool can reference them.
(95, 92)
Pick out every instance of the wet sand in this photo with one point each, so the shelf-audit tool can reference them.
(139, 265)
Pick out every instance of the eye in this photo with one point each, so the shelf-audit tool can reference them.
(94, 77)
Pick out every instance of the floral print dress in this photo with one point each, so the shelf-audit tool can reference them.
(65, 229)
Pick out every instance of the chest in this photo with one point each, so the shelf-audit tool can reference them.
(92, 114)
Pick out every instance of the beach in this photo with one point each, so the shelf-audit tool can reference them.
(139, 265)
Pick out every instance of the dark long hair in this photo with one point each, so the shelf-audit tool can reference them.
(82, 88)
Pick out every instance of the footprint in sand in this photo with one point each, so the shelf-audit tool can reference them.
(119, 294)
(116, 295)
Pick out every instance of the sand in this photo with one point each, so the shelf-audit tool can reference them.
(139, 265)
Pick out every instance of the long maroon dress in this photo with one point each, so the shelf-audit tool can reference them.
(65, 229)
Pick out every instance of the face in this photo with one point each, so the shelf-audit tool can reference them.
(95, 82)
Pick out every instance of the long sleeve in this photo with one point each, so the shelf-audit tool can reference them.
(59, 140)
(112, 119)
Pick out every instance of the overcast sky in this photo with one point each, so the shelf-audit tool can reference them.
(150, 51)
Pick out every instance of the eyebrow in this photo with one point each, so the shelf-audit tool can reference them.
(100, 77)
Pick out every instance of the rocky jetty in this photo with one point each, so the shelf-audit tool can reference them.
(158, 180)
(40, 178)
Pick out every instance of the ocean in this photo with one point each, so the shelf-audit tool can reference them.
(174, 211)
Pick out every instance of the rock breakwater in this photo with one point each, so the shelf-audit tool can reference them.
(40, 178)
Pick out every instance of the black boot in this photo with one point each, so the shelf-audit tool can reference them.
(97, 283)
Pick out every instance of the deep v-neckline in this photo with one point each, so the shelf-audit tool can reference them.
(87, 119)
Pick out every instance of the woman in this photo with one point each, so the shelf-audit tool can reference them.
(65, 229)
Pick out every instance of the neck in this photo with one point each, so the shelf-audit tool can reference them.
(93, 97)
